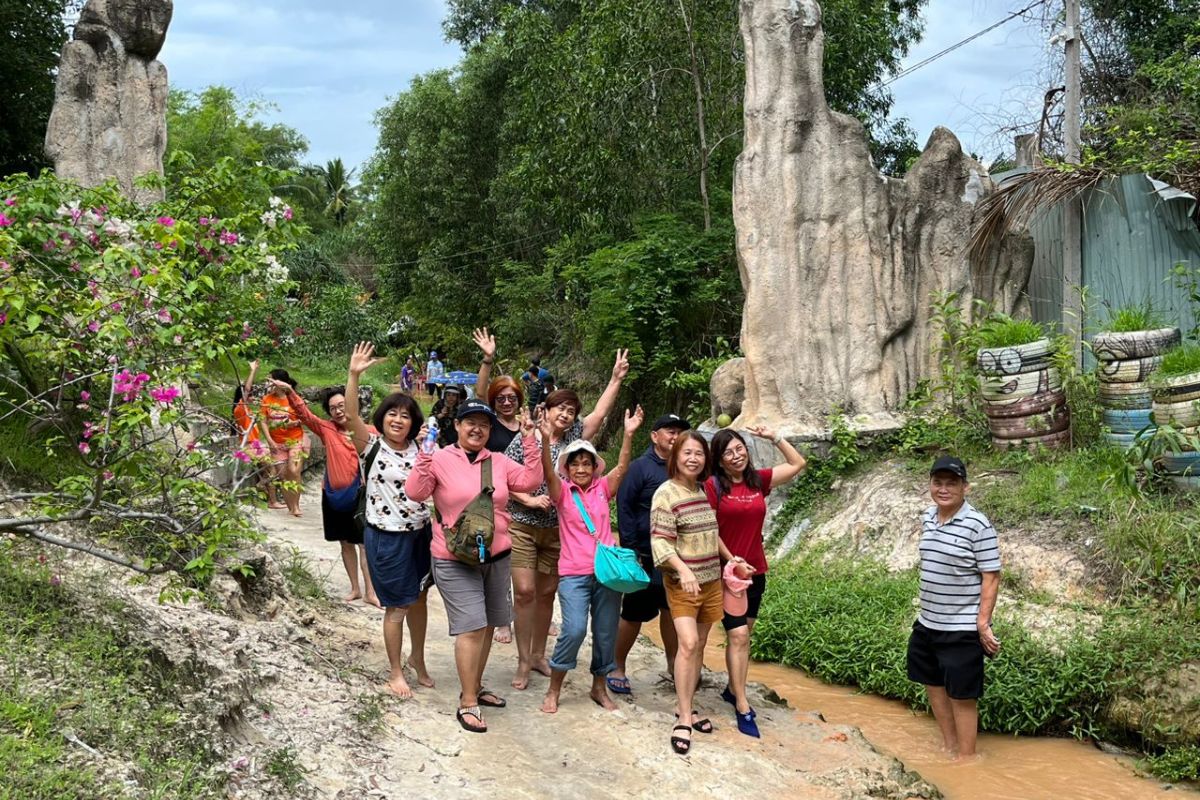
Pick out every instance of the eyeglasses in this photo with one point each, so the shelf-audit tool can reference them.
(506, 399)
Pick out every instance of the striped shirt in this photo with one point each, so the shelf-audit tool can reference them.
(683, 524)
(953, 557)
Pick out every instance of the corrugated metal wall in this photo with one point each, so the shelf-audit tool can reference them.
(1132, 238)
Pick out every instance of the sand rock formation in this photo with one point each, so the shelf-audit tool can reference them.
(728, 388)
(109, 118)
(838, 261)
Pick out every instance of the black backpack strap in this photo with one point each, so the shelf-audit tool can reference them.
(369, 460)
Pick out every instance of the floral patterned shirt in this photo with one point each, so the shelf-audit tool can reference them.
(533, 517)
(388, 507)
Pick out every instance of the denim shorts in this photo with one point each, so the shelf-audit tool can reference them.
(399, 564)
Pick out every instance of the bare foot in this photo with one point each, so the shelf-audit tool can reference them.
(276, 505)
(355, 593)
(553, 629)
(550, 703)
(372, 600)
(423, 677)
(521, 678)
(399, 687)
(600, 697)
(297, 514)
(503, 635)
(542, 665)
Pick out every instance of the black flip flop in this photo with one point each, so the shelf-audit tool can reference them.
(497, 702)
(679, 744)
(475, 712)
(701, 725)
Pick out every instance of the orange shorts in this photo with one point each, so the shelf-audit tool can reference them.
(706, 607)
(282, 453)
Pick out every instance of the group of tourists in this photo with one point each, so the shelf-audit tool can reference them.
(505, 508)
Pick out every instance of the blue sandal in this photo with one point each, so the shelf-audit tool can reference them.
(619, 685)
(747, 724)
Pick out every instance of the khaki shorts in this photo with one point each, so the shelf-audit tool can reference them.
(706, 607)
(534, 548)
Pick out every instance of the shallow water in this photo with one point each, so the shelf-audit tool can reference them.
(1009, 767)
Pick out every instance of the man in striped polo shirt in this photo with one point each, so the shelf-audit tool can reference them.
(960, 577)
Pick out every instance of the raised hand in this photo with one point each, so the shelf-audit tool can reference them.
(485, 341)
(545, 426)
(254, 366)
(284, 385)
(526, 422)
(762, 431)
(621, 367)
(362, 359)
(633, 421)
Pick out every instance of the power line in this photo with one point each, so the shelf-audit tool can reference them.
(910, 70)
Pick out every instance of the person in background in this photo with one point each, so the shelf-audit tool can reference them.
(397, 531)
(408, 376)
(339, 490)
(445, 411)
(250, 440)
(506, 397)
(535, 525)
(435, 370)
(960, 579)
(738, 493)
(289, 444)
(537, 383)
(581, 497)
(685, 544)
(475, 593)
(647, 472)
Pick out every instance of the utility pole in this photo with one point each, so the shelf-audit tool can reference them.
(1072, 285)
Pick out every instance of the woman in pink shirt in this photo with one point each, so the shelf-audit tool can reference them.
(475, 593)
(581, 491)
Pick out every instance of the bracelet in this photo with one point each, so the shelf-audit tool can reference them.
(489, 360)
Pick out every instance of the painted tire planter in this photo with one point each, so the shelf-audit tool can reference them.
(1037, 404)
(1011, 388)
(1125, 395)
(1186, 463)
(1135, 370)
(1134, 344)
(1177, 389)
(1015, 360)
(1049, 441)
(1127, 420)
(1126, 440)
(1034, 425)
(1179, 415)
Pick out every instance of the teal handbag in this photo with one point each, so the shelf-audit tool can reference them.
(616, 568)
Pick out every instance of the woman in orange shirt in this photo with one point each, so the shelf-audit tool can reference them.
(289, 444)
(249, 436)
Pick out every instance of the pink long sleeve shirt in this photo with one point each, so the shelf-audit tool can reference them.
(453, 481)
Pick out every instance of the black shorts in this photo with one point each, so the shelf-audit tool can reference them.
(645, 604)
(754, 596)
(338, 525)
(952, 659)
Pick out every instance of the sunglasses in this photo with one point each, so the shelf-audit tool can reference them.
(506, 398)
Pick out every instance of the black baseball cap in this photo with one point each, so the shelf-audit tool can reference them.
(671, 421)
(951, 464)
(475, 407)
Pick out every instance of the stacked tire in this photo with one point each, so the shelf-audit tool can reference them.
(1126, 361)
(1175, 401)
(1023, 397)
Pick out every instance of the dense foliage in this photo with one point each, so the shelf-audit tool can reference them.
(34, 32)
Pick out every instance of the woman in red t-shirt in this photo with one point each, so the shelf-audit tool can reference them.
(738, 492)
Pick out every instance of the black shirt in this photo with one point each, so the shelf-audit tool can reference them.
(500, 437)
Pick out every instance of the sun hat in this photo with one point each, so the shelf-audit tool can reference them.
(579, 446)
(734, 587)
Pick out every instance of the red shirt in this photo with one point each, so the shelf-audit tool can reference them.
(740, 516)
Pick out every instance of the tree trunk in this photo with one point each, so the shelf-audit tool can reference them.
(839, 262)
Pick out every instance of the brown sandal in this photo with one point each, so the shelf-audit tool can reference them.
(474, 712)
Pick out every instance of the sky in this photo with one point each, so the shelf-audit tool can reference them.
(328, 67)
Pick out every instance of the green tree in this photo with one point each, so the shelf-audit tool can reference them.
(339, 190)
(34, 32)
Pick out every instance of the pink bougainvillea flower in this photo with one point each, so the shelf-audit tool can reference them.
(47, 245)
(85, 448)
(3, 264)
(115, 306)
(12, 201)
(204, 222)
(287, 212)
(95, 288)
(107, 475)
(85, 395)
(165, 394)
(241, 456)
(74, 266)
(191, 447)
(5, 221)
(3, 317)
(93, 326)
(158, 245)
(166, 222)
(42, 558)
(228, 237)
(135, 273)
(164, 315)
(178, 339)
(55, 580)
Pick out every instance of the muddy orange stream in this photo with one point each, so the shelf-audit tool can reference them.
(1010, 767)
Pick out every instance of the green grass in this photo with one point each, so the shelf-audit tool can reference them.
(1004, 331)
(23, 456)
(1128, 319)
(283, 765)
(302, 581)
(65, 670)
(1181, 360)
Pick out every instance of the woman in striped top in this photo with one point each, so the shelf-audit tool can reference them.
(685, 545)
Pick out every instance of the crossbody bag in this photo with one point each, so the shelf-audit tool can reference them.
(616, 568)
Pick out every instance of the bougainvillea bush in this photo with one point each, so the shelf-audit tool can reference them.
(107, 311)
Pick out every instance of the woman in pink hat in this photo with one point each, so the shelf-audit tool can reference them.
(738, 492)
